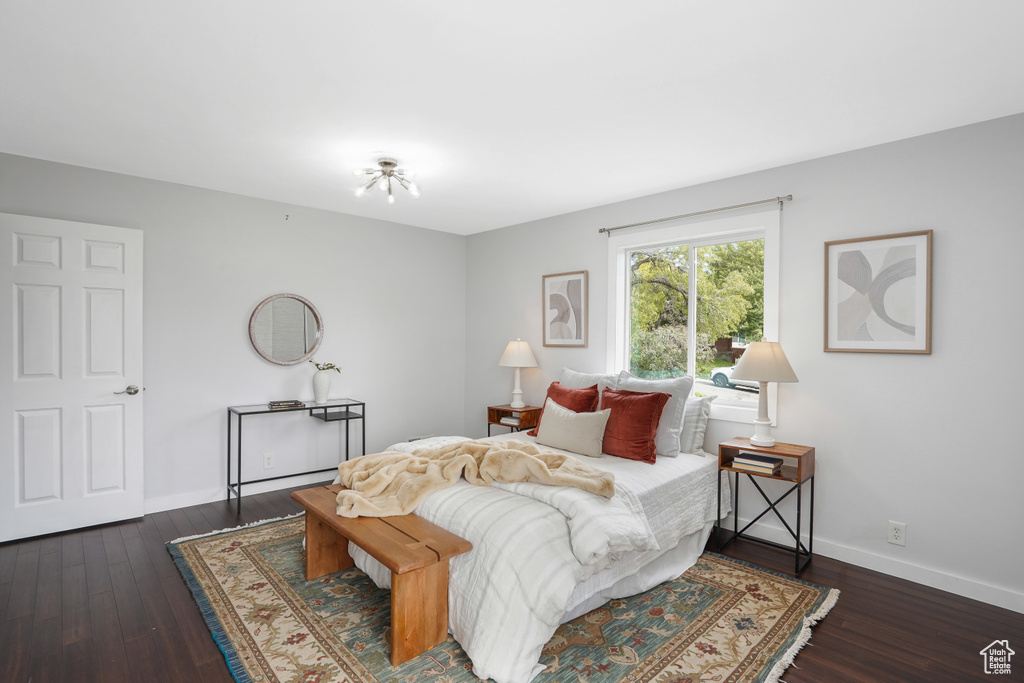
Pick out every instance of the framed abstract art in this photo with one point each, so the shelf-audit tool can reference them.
(878, 294)
(565, 309)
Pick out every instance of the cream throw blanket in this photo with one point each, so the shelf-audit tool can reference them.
(392, 483)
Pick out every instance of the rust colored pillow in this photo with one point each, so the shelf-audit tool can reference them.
(576, 400)
(633, 423)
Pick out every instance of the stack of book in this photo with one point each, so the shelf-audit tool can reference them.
(510, 421)
(754, 462)
(280, 405)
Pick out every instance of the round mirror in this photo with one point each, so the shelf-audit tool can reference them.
(285, 329)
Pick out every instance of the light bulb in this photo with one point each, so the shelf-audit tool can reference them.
(360, 191)
(414, 190)
(391, 199)
(358, 171)
(384, 184)
(408, 173)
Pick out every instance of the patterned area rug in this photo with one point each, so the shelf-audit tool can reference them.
(722, 620)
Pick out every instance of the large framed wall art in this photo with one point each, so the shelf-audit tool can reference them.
(565, 309)
(878, 294)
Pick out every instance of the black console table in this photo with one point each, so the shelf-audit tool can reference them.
(336, 410)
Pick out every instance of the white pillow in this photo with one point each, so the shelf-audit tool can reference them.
(581, 380)
(580, 433)
(695, 423)
(666, 441)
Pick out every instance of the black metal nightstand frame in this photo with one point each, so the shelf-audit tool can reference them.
(802, 553)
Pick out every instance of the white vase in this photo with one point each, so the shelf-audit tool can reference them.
(321, 386)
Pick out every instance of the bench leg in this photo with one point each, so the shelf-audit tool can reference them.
(419, 611)
(326, 550)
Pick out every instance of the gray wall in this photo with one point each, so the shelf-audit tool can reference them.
(926, 440)
(418, 320)
(392, 298)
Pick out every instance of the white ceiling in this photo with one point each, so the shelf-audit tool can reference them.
(509, 112)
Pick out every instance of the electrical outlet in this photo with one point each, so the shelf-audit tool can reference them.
(897, 533)
(268, 461)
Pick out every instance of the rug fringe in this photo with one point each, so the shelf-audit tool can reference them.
(826, 607)
(810, 620)
(241, 526)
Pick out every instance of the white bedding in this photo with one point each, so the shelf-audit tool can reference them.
(542, 554)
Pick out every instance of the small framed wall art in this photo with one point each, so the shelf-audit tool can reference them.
(878, 294)
(565, 309)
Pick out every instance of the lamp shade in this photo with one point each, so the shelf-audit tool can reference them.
(764, 361)
(518, 355)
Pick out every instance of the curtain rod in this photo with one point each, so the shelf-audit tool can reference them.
(787, 198)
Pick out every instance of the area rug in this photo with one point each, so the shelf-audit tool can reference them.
(722, 620)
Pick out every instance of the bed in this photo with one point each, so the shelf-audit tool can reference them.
(543, 555)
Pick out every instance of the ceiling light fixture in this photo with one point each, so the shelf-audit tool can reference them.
(385, 177)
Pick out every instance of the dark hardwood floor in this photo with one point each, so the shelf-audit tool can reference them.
(107, 604)
(886, 629)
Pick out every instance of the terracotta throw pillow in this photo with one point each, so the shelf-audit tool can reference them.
(633, 423)
(577, 400)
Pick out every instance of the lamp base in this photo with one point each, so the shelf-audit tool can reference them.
(762, 434)
(517, 394)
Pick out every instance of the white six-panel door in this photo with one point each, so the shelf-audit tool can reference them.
(70, 339)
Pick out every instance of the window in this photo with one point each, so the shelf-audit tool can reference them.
(687, 297)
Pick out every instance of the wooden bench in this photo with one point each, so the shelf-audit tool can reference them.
(415, 550)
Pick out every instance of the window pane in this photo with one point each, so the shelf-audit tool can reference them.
(659, 282)
(729, 313)
(626, 250)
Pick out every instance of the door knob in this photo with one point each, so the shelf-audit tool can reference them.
(131, 390)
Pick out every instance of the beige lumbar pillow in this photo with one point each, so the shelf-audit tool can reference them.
(580, 433)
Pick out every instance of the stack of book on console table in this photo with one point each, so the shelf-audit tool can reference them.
(280, 405)
(754, 462)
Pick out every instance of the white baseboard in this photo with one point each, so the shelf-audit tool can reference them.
(184, 500)
(958, 585)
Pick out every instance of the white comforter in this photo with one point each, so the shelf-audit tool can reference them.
(534, 546)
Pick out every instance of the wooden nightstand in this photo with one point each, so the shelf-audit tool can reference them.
(798, 469)
(528, 416)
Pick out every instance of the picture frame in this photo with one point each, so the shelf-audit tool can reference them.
(878, 294)
(564, 311)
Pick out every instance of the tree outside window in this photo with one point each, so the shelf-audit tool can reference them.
(727, 297)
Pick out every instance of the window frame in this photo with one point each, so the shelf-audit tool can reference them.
(694, 233)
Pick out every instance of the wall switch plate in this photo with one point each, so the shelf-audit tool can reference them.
(897, 533)
(268, 461)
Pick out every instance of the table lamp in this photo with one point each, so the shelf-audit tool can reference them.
(763, 362)
(517, 355)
